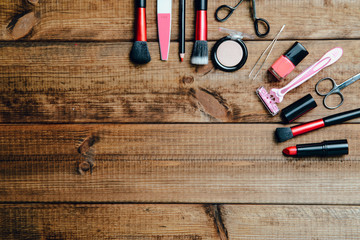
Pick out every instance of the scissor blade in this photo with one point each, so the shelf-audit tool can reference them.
(349, 81)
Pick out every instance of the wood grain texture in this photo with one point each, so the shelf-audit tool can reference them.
(217, 163)
(176, 221)
(72, 170)
(104, 221)
(95, 82)
(113, 20)
(291, 222)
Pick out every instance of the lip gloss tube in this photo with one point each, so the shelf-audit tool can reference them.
(287, 62)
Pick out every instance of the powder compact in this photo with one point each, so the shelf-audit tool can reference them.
(229, 53)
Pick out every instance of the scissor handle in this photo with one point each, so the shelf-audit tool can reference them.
(325, 79)
(227, 8)
(334, 90)
(256, 25)
(337, 91)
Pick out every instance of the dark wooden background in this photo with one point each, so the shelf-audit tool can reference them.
(95, 147)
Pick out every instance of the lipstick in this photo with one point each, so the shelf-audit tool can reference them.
(287, 62)
(326, 148)
(284, 134)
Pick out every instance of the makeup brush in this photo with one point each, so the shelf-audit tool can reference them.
(284, 134)
(200, 51)
(140, 51)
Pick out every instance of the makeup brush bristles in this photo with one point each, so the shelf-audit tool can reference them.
(200, 53)
(283, 134)
(140, 52)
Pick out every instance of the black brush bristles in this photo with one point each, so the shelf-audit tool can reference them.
(283, 134)
(140, 53)
(200, 53)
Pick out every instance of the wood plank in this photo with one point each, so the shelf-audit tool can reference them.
(94, 82)
(291, 222)
(221, 163)
(176, 221)
(104, 221)
(113, 20)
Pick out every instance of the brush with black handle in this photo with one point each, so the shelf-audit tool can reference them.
(140, 52)
(200, 51)
(284, 134)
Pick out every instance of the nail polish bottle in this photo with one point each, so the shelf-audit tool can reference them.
(287, 62)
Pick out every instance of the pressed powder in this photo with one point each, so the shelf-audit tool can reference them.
(229, 53)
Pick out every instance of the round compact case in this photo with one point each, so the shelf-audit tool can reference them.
(229, 53)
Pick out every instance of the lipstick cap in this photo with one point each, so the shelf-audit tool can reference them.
(336, 147)
(326, 148)
(296, 53)
(298, 108)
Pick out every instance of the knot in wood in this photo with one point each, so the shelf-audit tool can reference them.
(84, 166)
(188, 80)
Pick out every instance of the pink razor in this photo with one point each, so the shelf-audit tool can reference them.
(277, 95)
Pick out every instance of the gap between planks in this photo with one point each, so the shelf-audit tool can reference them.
(190, 222)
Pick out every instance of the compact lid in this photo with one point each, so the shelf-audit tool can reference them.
(296, 53)
(298, 108)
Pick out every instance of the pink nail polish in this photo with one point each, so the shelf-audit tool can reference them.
(287, 62)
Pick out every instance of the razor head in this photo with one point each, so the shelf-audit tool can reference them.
(267, 100)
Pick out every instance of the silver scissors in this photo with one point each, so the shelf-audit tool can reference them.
(335, 89)
(255, 18)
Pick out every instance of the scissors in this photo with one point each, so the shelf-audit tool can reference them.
(335, 89)
(256, 20)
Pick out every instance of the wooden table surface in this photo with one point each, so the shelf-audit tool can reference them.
(95, 147)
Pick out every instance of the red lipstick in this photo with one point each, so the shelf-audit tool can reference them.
(327, 148)
(290, 151)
